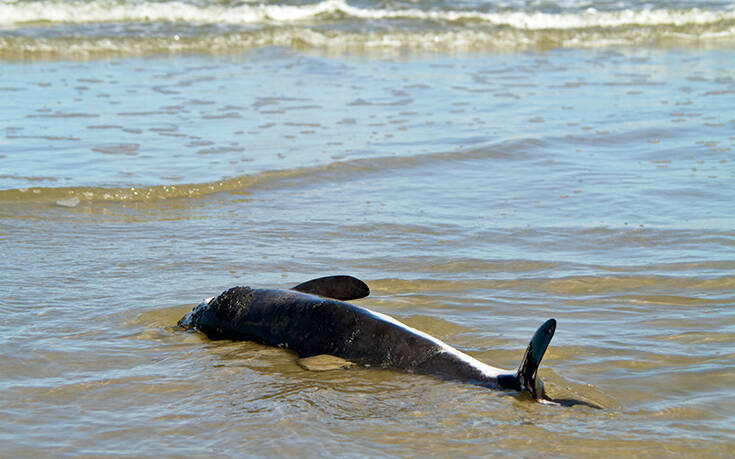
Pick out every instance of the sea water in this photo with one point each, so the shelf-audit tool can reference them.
(482, 166)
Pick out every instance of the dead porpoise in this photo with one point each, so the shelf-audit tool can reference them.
(313, 319)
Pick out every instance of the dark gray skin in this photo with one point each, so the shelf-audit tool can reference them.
(312, 325)
(304, 320)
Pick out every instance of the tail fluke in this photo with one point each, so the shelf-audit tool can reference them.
(525, 377)
(532, 358)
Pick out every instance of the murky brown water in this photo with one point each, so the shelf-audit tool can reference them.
(476, 195)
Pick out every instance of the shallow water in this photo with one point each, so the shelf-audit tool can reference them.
(477, 193)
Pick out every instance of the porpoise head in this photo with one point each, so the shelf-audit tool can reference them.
(228, 305)
(191, 318)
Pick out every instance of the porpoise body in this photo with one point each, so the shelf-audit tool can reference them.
(313, 319)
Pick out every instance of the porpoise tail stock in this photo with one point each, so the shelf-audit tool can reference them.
(313, 319)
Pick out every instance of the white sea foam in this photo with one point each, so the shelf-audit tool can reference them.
(336, 26)
(59, 11)
(334, 42)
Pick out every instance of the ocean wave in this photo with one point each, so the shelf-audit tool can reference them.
(100, 28)
(337, 42)
(343, 170)
(70, 12)
(63, 196)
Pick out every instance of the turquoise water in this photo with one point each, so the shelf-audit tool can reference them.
(477, 188)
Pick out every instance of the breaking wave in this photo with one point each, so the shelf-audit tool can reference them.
(55, 11)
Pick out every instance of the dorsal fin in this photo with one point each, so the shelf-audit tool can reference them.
(338, 287)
